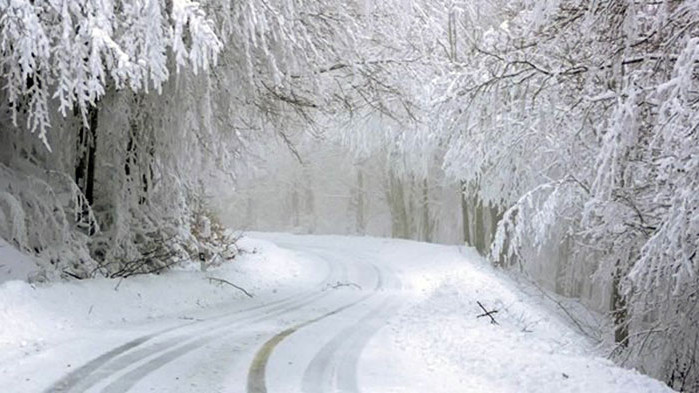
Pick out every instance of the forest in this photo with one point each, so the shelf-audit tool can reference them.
(559, 138)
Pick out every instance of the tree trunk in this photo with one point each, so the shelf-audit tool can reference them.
(140, 154)
(619, 312)
(465, 216)
(295, 208)
(360, 214)
(396, 203)
(310, 207)
(479, 232)
(495, 217)
(426, 224)
(85, 169)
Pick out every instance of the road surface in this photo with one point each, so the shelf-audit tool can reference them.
(309, 341)
(328, 314)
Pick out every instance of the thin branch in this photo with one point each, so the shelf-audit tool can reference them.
(487, 313)
(222, 281)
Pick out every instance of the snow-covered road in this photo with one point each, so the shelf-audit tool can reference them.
(329, 314)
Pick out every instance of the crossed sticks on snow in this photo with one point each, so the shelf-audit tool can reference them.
(487, 313)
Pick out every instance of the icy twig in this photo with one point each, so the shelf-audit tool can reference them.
(487, 313)
(222, 281)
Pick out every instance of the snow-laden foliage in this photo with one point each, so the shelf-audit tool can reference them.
(70, 50)
(100, 193)
(579, 120)
(570, 124)
(153, 103)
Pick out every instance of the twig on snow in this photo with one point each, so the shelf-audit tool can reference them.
(575, 320)
(487, 313)
(222, 281)
(343, 284)
(69, 273)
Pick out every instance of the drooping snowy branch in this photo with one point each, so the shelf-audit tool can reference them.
(72, 50)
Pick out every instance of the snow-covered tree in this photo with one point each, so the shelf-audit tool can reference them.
(579, 119)
(559, 134)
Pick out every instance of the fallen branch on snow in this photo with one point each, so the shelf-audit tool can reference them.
(578, 323)
(343, 284)
(487, 313)
(222, 281)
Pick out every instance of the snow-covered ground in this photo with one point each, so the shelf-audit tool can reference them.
(328, 313)
(13, 264)
(532, 348)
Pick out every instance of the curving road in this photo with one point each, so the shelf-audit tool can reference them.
(309, 342)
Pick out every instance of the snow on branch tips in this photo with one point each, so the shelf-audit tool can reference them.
(204, 44)
(73, 50)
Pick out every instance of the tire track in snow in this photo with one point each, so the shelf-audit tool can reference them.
(257, 373)
(130, 379)
(104, 370)
(84, 377)
(70, 381)
(336, 362)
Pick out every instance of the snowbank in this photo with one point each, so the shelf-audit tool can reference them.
(532, 348)
(13, 264)
(435, 343)
(33, 316)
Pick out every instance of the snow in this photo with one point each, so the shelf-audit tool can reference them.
(437, 343)
(531, 349)
(416, 332)
(13, 264)
(36, 318)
